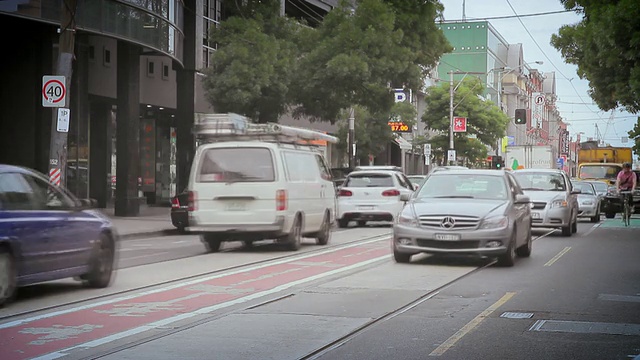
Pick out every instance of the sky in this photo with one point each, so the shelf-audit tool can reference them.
(576, 107)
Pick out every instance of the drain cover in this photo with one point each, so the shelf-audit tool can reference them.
(516, 315)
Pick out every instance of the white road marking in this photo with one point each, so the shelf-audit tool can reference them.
(558, 256)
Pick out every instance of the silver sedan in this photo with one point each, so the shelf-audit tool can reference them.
(479, 212)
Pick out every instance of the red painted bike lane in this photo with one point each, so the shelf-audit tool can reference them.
(53, 334)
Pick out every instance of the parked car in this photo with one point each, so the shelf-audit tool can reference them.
(258, 182)
(372, 195)
(555, 202)
(448, 167)
(588, 201)
(180, 210)
(417, 180)
(601, 191)
(477, 212)
(338, 175)
(47, 234)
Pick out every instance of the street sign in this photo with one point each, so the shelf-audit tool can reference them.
(559, 163)
(539, 99)
(54, 91)
(459, 124)
(62, 124)
(451, 155)
(400, 95)
(427, 149)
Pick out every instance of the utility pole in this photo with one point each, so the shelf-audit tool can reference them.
(64, 67)
(451, 113)
(352, 142)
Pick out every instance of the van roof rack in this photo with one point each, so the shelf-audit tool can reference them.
(233, 127)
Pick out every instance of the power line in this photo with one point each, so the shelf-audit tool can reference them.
(514, 16)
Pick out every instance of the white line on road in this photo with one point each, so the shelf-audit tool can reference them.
(204, 311)
(145, 256)
(180, 284)
(555, 258)
(592, 229)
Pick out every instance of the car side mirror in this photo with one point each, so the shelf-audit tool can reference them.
(416, 187)
(404, 197)
(576, 191)
(522, 199)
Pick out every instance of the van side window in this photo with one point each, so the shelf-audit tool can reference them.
(294, 170)
(324, 170)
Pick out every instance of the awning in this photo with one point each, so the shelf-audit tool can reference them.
(403, 144)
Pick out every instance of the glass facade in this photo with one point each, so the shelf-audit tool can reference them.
(157, 24)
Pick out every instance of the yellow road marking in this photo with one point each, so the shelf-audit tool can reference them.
(555, 258)
(470, 325)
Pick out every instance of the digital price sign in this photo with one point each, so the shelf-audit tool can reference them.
(399, 126)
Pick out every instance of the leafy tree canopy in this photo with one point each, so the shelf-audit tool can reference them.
(485, 121)
(634, 134)
(604, 46)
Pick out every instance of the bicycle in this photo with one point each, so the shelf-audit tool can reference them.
(626, 207)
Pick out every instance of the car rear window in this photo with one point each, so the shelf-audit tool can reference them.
(369, 180)
(236, 165)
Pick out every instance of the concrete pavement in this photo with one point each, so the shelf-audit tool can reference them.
(152, 221)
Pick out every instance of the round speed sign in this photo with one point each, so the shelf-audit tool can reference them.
(53, 91)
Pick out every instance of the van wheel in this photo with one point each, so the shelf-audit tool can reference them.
(211, 242)
(294, 239)
(7, 276)
(101, 263)
(325, 231)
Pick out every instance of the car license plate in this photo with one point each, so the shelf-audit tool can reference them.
(236, 206)
(535, 215)
(447, 237)
(367, 207)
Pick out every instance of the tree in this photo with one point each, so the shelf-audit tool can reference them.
(256, 58)
(486, 123)
(604, 47)
(634, 134)
(372, 130)
(356, 54)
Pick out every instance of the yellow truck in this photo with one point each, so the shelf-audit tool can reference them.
(602, 163)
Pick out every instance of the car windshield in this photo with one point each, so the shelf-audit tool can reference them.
(417, 180)
(585, 188)
(368, 180)
(471, 186)
(222, 165)
(600, 186)
(540, 181)
(599, 171)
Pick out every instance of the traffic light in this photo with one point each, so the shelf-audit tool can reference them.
(497, 163)
(521, 116)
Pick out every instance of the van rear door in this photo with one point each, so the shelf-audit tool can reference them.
(235, 185)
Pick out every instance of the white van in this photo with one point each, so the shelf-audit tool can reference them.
(252, 182)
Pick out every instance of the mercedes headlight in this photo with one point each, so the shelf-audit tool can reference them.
(559, 203)
(408, 219)
(497, 222)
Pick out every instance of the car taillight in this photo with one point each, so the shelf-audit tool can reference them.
(175, 203)
(345, 193)
(393, 192)
(281, 200)
(193, 201)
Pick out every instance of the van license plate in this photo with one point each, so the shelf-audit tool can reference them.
(535, 215)
(236, 207)
(449, 237)
(368, 207)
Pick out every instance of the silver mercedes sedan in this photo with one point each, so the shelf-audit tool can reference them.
(477, 212)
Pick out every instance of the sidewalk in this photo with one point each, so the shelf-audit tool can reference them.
(152, 221)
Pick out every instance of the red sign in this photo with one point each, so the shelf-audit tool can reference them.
(459, 124)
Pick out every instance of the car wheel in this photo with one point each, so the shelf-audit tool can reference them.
(294, 239)
(248, 243)
(325, 231)
(610, 215)
(525, 250)
(101, 263)
(508, 259)
(362, 223)
(7, 276)
(343, 223)
(211, 242)
(574, 225)
(401, 258)
(596, 218)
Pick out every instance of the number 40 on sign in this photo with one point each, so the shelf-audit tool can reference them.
(54, 91)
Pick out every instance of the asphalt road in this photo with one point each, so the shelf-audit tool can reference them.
(575, 298)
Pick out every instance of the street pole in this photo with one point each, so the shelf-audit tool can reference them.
(64, 67)
(352, 142)
(450, 113)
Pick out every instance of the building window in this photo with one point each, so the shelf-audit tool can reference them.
(165, 71)
(92, 52)
(106, 57)
(151, 68)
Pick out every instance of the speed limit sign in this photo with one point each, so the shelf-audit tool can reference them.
(54, 91)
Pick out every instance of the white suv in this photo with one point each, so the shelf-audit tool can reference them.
(260, 182)
(372, 194)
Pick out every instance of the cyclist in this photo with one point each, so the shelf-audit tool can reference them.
(626, 181)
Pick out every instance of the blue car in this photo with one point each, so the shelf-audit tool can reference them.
(48, 234)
